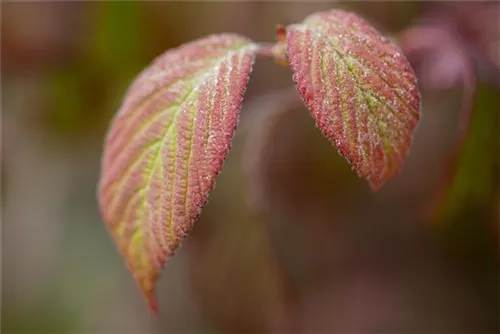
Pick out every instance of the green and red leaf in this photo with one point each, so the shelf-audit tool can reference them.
(360, 89)
(166, 145)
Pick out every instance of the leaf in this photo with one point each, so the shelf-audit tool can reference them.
(359, 88)
(470, 183)
(167, 144)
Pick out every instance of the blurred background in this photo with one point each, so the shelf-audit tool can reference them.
(291, 240)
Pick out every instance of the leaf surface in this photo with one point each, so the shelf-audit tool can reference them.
(166, 145)
(359, 88)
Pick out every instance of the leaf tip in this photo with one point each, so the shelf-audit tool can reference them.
(376, 185)
(149, 294)
(152, 303)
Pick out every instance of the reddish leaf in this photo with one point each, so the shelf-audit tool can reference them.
(166, 145)
(359, 88)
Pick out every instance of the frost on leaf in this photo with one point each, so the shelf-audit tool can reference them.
(166, 145)
(359, 88)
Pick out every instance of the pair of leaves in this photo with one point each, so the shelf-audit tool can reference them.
(170, 137)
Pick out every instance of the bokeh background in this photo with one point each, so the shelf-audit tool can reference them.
(291, 240)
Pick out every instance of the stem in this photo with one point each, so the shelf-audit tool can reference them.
(265, 49)
(276, 51)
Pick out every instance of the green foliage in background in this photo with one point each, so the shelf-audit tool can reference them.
(78, 91)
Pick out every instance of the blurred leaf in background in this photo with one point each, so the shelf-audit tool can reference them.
(84, 92)
(472, 180)
(465, 212)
